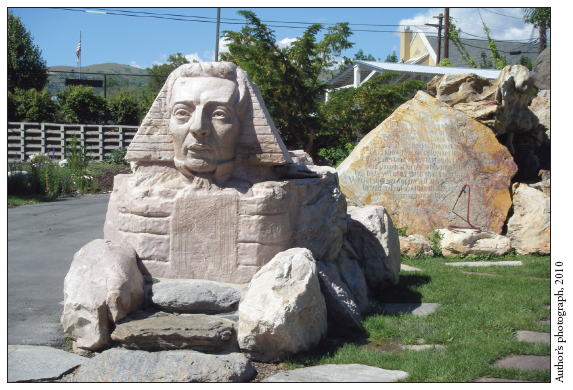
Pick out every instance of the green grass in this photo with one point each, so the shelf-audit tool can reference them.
(21, 200)
(476, 322)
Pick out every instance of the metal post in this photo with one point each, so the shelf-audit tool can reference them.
(440, 38)
(217, 37)
(105, 86)
(447, 34)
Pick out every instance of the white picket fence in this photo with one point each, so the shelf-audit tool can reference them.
(26, 139)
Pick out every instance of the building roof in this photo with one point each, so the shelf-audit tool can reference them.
(476, 46)
(425, 73)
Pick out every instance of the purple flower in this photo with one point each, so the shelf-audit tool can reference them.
(53, 152)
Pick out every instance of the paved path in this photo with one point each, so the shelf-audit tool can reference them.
(42, 240)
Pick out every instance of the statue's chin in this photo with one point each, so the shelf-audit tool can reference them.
(197, 167)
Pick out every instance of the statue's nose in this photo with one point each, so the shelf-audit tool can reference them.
(199, 124)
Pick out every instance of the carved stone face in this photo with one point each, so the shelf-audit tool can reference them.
(204, 123)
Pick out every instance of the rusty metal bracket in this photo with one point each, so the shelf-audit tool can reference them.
(453, 228)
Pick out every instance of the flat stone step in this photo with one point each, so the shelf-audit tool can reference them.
(525, 362)
(483, 263)
(545, 322)
(417, 309)
(338, 373)
(35, 362)
(404, 267)
(194, 296)
(422, 347)
(533, 337)
(479, 273)
(193, 331)
(122, 365)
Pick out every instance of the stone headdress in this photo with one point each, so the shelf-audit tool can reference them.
(259, 142)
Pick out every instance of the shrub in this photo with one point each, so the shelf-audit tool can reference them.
(117, 157)
(123, 109)
(31, 106)
(79, 104)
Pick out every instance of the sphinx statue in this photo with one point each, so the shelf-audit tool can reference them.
(212, 194)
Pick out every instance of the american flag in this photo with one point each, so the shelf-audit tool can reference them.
(79, 52)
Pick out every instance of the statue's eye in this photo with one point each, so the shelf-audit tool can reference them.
(182, 114)
(219, 114)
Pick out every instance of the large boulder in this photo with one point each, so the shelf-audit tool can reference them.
(352, 274)
(502, 105)
(102, 286)
(542, 70)
(283, 311)
(416, 162)
(375, 240)
(415, 244)
(529, 228)
(341, 307)
(467, 242)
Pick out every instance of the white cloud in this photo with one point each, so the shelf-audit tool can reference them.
(156, 63)
(193, 57)
(209, 55)
(135, 64)
(223, 46)
(508, 26)
(286, 42)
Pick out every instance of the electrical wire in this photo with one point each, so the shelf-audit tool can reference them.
(507, 16)
(168, 17)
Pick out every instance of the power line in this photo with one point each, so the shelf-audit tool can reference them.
(507, 16)
(178, 17)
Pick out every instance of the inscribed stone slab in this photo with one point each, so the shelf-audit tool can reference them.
(416, 162)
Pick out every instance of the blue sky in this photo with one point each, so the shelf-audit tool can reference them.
(144, 41)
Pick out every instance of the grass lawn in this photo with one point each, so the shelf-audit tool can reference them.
(475, 321)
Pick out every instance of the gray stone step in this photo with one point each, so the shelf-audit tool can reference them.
(525, 362)
(404, 267)
(338, 373)
(122, 365)
(483, 263)
(533, 337)
(417, 309)
(193, 296)
(34, 362)
(199, 332)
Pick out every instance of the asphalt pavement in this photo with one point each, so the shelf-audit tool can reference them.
(42, 241)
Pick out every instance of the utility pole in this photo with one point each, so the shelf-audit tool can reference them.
(447, 34)
(439, 26)
(217, 37)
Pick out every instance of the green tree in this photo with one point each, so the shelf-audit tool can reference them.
(123, 109)
(351, 112)
(79, 104)
(32, 106)
(537, 16)
(160, 72)
(361, 56)
(288, 78)
(26, 67)
(392, 57)
(526, 61)
(445, 62)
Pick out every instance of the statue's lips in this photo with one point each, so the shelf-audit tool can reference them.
(201, 149)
